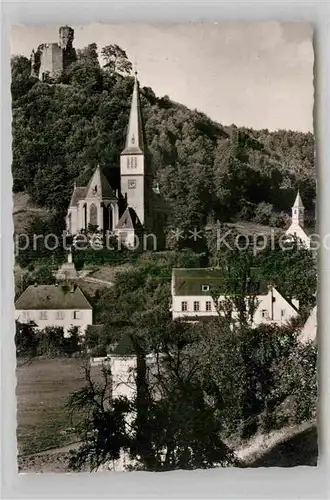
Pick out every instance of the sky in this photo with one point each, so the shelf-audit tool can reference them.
(257, 75)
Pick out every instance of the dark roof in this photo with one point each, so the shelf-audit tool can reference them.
(52, 297)
(129, 220)
(78, 194)
(190, 282)
(124, 346)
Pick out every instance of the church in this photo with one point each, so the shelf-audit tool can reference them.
(296, 228)
(97, 207)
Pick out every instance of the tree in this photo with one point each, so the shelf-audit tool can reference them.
(116, 60)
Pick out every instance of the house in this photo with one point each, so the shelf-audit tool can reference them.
(54, 305)
(192, 297)
(137, 208)
(296, 228)
(310, 328)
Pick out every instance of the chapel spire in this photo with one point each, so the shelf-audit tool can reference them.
(134, 138)
(298, 211)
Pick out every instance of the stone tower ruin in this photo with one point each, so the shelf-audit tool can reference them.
(50, 59)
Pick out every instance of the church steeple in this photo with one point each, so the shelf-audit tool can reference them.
(134, 137)
(298, 210)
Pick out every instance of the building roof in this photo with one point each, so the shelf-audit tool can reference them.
(298, 202)
(309, 330)
(99, 187)
(52, 297)
(191, 281)
(79, 193)
(129, 220)
(134, 137)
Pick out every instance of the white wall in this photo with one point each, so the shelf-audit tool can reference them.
(296, 230)
(86, 318)
(281, 312)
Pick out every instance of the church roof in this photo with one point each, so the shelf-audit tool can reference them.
(129, 220)
(298, 203)
(79, 193)
(201, 281)
(52, 297)
(134, 136)
(99, 186)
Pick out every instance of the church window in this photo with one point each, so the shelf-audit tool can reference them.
(135, 162)
(184, 306)
(132, 162)
(131, 184)
(208, 305)
(196, 306)
(127, 162)
(205, 288)
(93, 215)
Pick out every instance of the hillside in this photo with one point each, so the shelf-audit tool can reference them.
(25, 211)
(205, 170)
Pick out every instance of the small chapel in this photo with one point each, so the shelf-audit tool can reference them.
(296, 228)
(137, 209)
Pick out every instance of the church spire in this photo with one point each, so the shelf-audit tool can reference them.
(134, 138)
(298, 210)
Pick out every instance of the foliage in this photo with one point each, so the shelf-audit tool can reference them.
(62, 132)
(205, 384)
(49, 342)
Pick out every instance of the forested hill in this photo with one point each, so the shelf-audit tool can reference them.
(205, 170)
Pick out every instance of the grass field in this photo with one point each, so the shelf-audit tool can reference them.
(43, 388)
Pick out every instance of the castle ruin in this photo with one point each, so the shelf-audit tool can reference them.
(50, 59)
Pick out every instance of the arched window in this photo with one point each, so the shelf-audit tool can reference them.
(93, 215)
(135, 162)
(128, 162)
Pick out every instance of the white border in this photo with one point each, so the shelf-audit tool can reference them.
(299, 482)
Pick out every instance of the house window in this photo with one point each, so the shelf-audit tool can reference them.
(264, 313)
(196, 306)
(184, 306)
(282, 313)
(26, 315)
(76, 315)
(59, 315)
(43, 315)
(208, 305)
(205, 288)
(131, 184)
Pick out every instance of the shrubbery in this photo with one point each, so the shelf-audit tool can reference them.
(49, 342)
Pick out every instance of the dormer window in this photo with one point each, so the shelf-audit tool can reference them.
(205, 288)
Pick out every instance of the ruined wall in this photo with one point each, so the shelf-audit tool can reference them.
(51, 58)
(51, 61)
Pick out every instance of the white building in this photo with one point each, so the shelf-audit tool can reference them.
(54, 305)
(192, 297)
(310, 328)
(297, 224)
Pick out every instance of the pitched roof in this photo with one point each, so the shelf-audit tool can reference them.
(79, 193)
(52, 297)
(191, 281)
(129, 220)
(134, 136)
(298, 203)
(99, 186)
